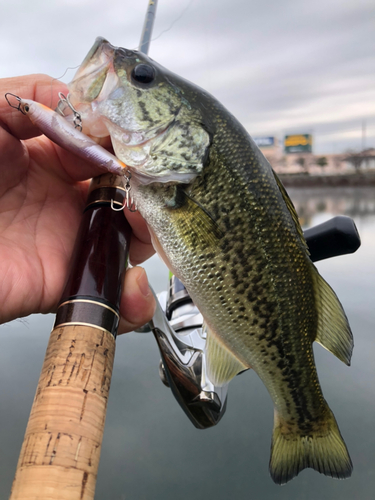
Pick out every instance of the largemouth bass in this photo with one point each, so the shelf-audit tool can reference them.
(222, 221)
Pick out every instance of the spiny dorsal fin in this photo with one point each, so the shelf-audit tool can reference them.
(222, 365)
(292, 210)
(333, 331)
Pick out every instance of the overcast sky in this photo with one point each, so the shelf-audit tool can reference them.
(280, 66)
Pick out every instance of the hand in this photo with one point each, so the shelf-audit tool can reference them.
(43, 190)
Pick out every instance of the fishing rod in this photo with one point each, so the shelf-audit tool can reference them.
(148, 25)
(60, 453)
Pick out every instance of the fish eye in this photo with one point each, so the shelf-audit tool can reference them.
(26, 108)
(143, 73)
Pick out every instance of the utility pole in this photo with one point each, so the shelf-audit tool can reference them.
(363, 135)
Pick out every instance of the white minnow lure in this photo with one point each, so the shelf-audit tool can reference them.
(61, 132)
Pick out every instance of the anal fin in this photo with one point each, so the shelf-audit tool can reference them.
(333, 332)
(222, 364)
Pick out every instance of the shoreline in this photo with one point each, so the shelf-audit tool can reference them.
(340, 180)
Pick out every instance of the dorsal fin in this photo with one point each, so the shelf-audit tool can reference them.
(333, 331)
(292, 210)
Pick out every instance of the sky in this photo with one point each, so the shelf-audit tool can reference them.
(281, 67)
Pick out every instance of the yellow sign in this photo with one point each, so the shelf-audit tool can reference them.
(298, 143)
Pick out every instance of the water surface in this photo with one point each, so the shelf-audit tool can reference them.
(150, 448)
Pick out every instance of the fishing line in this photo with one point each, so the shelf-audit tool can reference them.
(59, 77)
(158, 36)
(174, 22)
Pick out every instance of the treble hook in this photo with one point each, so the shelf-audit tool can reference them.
(128, 203)
(18, 108)
(118, 209)
(128, 200)
(77, 116)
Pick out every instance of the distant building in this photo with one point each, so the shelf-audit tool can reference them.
(301, 161)
(363, 160)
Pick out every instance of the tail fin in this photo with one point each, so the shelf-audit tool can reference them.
(322, 449)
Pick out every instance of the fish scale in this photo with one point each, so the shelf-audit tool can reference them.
(223, 223)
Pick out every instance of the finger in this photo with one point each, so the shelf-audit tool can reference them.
(141, 247)
(15, 126)
(66, 165)
(139, 251)
(40, 88)
(137, 302)
(14, 160)
(139, 226)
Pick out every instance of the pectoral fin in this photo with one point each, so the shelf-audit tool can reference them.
(196, 225)
(222, 364)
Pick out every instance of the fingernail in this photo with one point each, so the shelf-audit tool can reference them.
(143, 283)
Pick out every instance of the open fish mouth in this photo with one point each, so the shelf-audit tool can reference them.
(95, 82)
(89, 80)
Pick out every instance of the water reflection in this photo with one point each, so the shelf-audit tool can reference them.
(353, 202)
(151, 450)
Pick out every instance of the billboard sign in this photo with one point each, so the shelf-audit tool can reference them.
(298, 143)
(264, 142)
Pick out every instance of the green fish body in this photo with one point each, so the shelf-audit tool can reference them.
(223, 223)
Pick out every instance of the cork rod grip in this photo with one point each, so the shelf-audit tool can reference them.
(60, 454)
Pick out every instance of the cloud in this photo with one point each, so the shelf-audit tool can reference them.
(275, 65)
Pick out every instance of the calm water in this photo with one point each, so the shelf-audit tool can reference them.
(151, 450)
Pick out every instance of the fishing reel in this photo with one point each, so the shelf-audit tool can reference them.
(177, 327)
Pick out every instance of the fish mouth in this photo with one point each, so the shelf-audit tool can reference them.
(90, 77)
(95, 81)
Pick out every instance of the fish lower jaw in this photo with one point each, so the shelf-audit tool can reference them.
(144, 177)
(144, 167)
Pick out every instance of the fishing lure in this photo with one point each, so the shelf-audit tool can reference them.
(55, 126)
